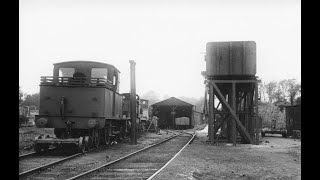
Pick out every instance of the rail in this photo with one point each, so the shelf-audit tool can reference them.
(27, 155)
(47, 165)
(156, 173)
(32, 154)
(31, 171)
(75, 81)
(136, 152)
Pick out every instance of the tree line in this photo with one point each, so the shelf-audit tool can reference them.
(272, 96)
(280, 91)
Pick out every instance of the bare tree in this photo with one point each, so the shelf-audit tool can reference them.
(271, 89)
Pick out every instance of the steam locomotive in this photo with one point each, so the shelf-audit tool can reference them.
(81, 101)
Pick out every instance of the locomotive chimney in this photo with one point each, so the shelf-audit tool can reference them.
(133, 114)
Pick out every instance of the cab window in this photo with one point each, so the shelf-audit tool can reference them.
(66, 72)
(99, 73)
(114, 80)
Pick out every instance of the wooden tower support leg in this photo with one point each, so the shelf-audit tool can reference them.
(245, 108)
(234, 129)
(211, 120)
(256, 113)
(228, 98)
(250, 115)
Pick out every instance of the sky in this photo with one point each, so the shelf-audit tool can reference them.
(166, 38)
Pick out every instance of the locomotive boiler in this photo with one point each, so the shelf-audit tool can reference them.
(81, 101)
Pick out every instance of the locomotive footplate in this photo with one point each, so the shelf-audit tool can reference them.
(57, 141)
(42, 143)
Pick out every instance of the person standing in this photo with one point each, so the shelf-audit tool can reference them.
(155, 122)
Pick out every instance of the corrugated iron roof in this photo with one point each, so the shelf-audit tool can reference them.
(172, 102)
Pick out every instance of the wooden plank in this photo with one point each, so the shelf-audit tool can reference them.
(218, 105)
(251, 121)
(256, 113)
(242, 129)
(220, 123)
(234, 130)
(211, 106)
(213, 119)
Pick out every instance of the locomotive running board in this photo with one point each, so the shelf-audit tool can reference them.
(57, 141)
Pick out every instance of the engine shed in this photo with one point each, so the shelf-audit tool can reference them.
(169, 110)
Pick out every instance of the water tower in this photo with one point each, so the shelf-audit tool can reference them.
(230, 78)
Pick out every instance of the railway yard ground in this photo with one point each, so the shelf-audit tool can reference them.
(274, 158)
(27, 135)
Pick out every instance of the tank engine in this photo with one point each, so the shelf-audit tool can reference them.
(81, 101)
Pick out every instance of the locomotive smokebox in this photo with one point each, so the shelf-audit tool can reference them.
(234, 58)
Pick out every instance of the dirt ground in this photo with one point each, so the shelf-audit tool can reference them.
(274, 158)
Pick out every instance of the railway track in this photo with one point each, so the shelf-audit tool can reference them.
(26, 155)
(74, 168)
(142, 164)
(33, 162)
(23, 156)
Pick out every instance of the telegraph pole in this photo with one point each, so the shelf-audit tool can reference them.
(133, 113)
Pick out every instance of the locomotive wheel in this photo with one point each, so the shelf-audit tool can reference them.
(86, 143)
(91, 139)
(81, 145)
(105, 137)
(96, 138)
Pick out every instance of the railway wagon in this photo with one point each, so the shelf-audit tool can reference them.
(182, 122)
(81, 101)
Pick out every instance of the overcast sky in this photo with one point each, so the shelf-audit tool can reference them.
(166, 38)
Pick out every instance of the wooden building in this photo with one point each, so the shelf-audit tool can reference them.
(293, 118)
(169, 109)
